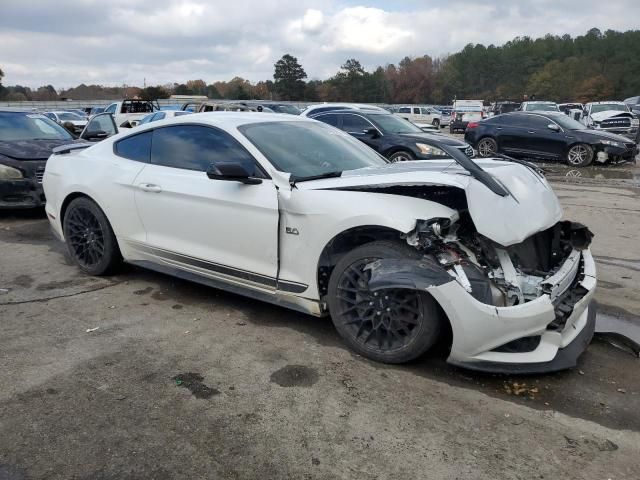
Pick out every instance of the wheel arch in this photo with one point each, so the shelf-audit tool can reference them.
(71, 197)
(344, 242)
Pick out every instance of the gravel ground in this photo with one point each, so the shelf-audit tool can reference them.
(142, 376)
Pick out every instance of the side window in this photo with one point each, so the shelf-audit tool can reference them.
(329, 119)
(354, 123)
(51, 116)
(158, 116)
(135, 147)
(111, 108)
(416, 110)
(404, 110)
(518, 120)
(534, 121)
(194, 147)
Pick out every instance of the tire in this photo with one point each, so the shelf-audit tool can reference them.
(401, 156)
(90, 240)
(409, 323)
(579, 155)
(487, 146)
(436, 123)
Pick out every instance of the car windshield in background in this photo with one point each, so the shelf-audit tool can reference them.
(18, 126)
(394, 124)
(568, 123)
(309, 149)
(290, 109)
(608, 106)
(70, 117)
(542, 107)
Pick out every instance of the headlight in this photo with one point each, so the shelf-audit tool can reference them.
(611, 143)
(10, 173)
(635, 122)
(429, 150)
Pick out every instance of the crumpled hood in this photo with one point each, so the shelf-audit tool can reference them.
(31, 149)
(532, 206)
(610, 113)
(601, 134)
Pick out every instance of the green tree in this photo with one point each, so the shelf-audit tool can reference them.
(289, 78)
(153, 93)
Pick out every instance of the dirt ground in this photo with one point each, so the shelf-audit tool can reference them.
(142, 376)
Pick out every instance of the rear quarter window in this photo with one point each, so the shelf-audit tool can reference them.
(136, 147)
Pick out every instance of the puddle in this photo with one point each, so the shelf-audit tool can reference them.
(295, 376)
(629, 172)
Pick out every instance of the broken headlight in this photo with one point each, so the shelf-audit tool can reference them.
(612, 143)
(10, 173)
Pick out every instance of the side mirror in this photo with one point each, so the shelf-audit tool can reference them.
(94, 134)
(554, 127)
(372, 132)
(232, 171)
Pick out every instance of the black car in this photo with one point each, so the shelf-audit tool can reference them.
(26, 142)
(392, 136)
(547, 136)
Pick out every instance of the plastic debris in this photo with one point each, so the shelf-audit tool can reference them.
(89, 330)
(4, 291)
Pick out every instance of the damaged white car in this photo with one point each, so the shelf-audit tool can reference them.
(611, 116)
(298, 213)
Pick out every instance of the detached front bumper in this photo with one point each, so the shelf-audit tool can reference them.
(542, 335)
(25, 192)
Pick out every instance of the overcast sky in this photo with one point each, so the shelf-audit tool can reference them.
(67, 42)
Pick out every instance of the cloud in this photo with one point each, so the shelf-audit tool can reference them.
(68, 42)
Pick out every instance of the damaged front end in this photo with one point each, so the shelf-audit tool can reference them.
(524, 307)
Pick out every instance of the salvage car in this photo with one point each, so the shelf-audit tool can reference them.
(548, 136)
(128, 113)
(393, 137)
(73, 121)
(295, 212)
(26, 141)
(611, 116)
(420, 116)
(539, 106)
(161, 115)
(312, 110)
(573, 110)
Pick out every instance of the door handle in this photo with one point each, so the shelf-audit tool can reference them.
(531, 131)
(150, 187)
(498, 128)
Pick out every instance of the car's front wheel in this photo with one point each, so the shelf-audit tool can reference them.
(580, 155)
(90, 240)
(436, 123)
(389, 325)
(401, 156)
(487, 147)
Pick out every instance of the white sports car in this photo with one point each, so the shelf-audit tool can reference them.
(295, 212)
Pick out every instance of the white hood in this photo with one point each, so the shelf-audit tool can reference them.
(532, 206)
(598, 117)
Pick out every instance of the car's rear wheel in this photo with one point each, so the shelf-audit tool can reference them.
(401, 156)
(90, 240)
(580, 155)
(487, 147)
(389, 325)
(436, 123)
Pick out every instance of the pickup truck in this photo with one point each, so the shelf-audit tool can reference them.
(421, 116)
(611, 116)
(127, 113)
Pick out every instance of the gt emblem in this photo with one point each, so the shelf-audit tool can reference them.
(291, 231)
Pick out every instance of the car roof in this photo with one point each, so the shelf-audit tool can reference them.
(605, 102)
(229, 119)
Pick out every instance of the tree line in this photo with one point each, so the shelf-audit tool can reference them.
(590, 67)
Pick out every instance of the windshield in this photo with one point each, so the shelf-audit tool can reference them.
(567, 123)
(20, 126)
(393, 124)
(290, 109)
(541, 107)
(69, 117)
(309, 149)
(603, 107)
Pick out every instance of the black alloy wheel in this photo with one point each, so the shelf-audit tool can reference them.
(89, 237)
(389, 325)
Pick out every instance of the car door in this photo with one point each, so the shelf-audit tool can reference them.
(511, 133)
(543, 141)
(219, 228)
(357, 126)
